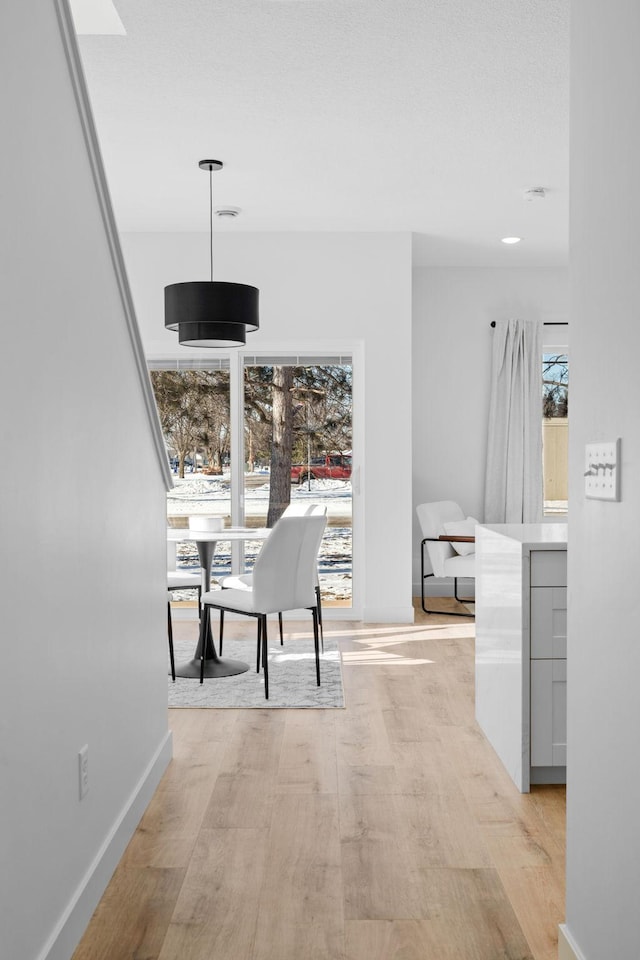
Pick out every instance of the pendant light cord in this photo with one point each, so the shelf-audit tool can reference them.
(211, 218)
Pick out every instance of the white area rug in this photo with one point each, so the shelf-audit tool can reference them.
(292, 676)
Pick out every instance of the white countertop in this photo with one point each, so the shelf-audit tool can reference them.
(532, 535)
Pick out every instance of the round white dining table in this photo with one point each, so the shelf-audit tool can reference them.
(205, 541)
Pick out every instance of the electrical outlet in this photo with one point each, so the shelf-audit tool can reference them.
(83, 770)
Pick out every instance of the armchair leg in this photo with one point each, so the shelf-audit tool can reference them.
(462, 599)
(171, 657)
(448, 613)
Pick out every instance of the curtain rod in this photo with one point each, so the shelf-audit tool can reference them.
(550, 323)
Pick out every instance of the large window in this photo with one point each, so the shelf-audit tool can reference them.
(555, 432)
(292, 420)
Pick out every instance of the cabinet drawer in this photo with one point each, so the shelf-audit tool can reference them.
(548, 713)
(548, 622)
(548, 568)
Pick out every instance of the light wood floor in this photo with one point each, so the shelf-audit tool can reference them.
(385, 831)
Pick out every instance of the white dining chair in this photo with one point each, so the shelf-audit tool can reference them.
(244, 581)
(284, 578)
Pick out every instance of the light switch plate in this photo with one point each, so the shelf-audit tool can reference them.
(602, 470)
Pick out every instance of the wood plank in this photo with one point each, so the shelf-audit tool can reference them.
(381, 880)
(442, 829)
(472, 917)
(133, 915)
(308, 756)
(277, 939)
(461, 928)
(215, 915)
(243, 794)
(388, 940)
(302, 881)
(536, 892)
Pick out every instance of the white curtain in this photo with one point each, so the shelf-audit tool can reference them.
(513, 484)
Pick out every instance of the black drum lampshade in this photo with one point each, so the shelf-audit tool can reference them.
(209, 313)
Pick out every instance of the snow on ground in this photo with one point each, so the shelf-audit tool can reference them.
(198, 494)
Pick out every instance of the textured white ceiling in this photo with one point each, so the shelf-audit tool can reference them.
(431, 116)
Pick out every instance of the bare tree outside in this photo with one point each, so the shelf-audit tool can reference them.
(555, 385)
(282, 443)
(175, 401)
(293, 413)
(194, 412)
(212, 433)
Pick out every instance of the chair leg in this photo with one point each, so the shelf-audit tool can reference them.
(221, 629)
(259, 648)
(265, 656)
(319, 600)
(280, 626)
(314, 613)
(202, 644)
(171, 658)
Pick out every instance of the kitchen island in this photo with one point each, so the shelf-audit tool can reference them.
(521, 647)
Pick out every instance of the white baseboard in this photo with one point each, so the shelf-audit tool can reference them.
(76, 917)
(567, 947)
(388, 614)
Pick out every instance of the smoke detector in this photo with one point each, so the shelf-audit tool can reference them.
(229, 212)
(535, 193)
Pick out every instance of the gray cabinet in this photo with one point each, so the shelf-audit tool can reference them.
(548, 669)
(521, 647)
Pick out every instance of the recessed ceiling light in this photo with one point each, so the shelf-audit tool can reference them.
(511, 239)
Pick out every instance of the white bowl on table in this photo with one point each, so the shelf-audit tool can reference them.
(206, 524)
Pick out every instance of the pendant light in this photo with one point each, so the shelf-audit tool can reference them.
(211, 313)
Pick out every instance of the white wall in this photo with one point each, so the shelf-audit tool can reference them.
(82, 552)
(603, 790)
(324, 291)
(452, 311)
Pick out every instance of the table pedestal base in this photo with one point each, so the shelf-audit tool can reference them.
(212, 668)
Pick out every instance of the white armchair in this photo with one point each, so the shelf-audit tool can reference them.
(449, 540)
